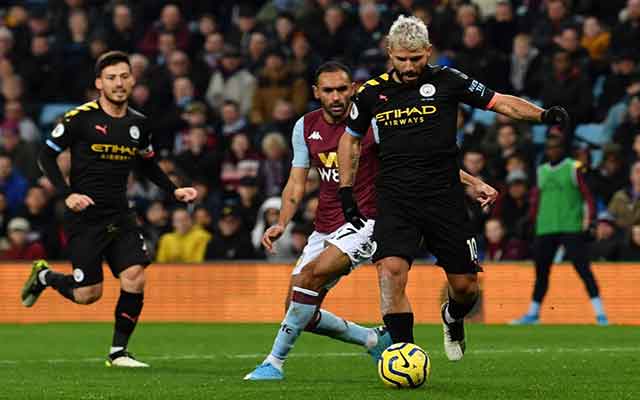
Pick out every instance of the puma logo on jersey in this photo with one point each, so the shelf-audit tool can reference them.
(383, 97)
(101, 129)
(315, 135)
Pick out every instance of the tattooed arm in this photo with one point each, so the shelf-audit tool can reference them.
(348, 157)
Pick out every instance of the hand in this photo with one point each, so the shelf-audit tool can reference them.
(350, 207)
(485, 194)
(186, 194)
(271, 235)
(78, 202)
(556, 115)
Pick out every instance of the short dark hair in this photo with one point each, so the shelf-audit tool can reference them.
(111, 58)
(333, 66)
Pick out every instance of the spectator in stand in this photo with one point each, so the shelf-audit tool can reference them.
(170, 21)
(466, 16)
(474, 162)
(202, 218)
(498, 246)
(186, 244)
(197, 161)
(276, 81)
(256, 50)
(42, 71)
(231, 82)
(211, 53)
(508, 142)
(557, 17)
(596, 40)
(231, 240)
(206, 25)
(24, 155)
(243, 26)
(367, 34)
(328, 38)
(502, 27)
(478, 60)
(304, 61)
(239, 161)
(274, 168)
(284, 28)
(569, 41)
(626, 35)
(4, 214)
(156, 224)
(250, 201)
(512, 205)
(75, 41)
(39, 213)
(12, 184)
(625, 203)
(608, 240)
(14, 115)
(611, 175)
(624, 73)
(525, 67)
(566, 86)
(18, 246)
(631, 248)
(232, 120)
(625, 133)
(268, 216)
(123, 32)
(283, 118)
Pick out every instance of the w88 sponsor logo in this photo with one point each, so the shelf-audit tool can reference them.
(329, 175)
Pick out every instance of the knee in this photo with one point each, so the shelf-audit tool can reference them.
(132, 280)
(310, 278)
(88, 295)
(396, 272)
(466, 286)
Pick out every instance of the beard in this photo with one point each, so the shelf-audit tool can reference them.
(117, 101)
(332, 109)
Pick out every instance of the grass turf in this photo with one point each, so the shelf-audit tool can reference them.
(208, 361)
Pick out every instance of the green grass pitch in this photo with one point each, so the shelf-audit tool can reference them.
(208, 361)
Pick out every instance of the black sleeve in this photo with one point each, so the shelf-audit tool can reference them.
(148, 167)
(361, 112)
(48, 162)
(60, 138)
(468, 90)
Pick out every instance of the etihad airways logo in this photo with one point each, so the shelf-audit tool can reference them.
(405, 116)
(114, 151)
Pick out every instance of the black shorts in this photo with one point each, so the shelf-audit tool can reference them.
(441, 222)
(116, 240)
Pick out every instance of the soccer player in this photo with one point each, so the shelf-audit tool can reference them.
(107, 140)
(560, 219)
(335, 247)
(414, 109)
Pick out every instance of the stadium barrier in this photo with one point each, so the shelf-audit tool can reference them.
(255, 293)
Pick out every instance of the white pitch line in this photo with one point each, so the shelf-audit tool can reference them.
(330, 355)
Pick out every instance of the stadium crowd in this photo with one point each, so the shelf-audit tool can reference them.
(223, 83)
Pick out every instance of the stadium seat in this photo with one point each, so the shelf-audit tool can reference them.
(538, 134)
(486, 118)
(51, 111)
(592, 134)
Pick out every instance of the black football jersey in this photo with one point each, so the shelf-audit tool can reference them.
(415, 126)
(104, 150)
